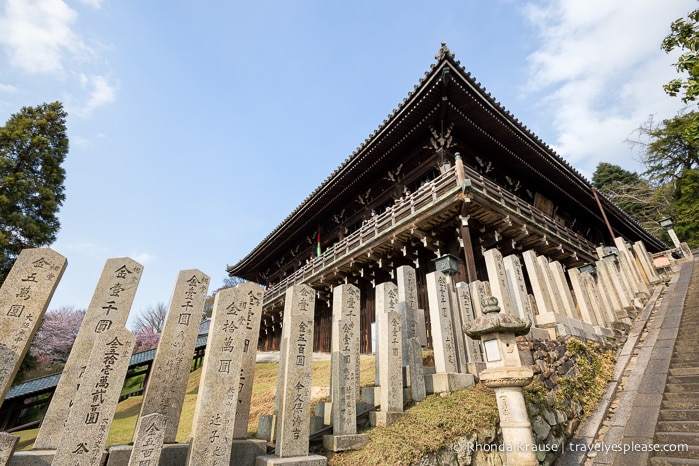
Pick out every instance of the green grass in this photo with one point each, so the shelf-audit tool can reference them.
(428, 426)
(262, 402)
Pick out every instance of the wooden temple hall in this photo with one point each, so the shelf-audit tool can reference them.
(450, 171)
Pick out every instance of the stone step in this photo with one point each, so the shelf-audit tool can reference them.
(668, 461)
(679, 404)
(679, 415)
(679, 396)
(684, 348)
(683, 379)
(682, 356)
(690, 453)
(674, 364)
(678, 438)
(678, 426)
(683, 371)
(686, 358)
(682, 387)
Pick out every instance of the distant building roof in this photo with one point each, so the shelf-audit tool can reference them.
(44, 384)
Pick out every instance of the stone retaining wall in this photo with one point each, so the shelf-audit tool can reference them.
(553, 423)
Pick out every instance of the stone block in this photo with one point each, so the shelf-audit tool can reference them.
(448, 382)
(42, 458)
(407, 395)
(317, 424)
(475, 368)
(167, 382)
(407, 305)
(550, 319)
(383, 418)
(468, 315)
(8, 443)
(84, 435)
(416, 370)
(119, 455)
(235, 309)
(246, 451)
(309, 460)
(371, 396)
(345, 442)
(518, 287)
(345, 367)
(324, 411)
(24, 297)
(293, 423)
(443, 342)
(539, 333)
(604, 331)
(266, 427)
(107, 310)
(498, 280)
(390, 347)
(148, 439)
(174, 454)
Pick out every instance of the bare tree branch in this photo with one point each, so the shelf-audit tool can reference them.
(153, 318)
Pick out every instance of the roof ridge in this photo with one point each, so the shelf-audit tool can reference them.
(443, 54)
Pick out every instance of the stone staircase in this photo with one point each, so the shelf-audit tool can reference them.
(678, 422)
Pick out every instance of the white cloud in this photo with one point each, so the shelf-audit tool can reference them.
(599, 73)
(142, 257)
(7, 88)
(79, 141)
(96, 4)
(100, 92)
(37, 35)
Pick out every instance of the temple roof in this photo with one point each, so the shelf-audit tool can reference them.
(481, 121)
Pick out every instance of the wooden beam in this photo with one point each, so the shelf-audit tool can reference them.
(469, 257)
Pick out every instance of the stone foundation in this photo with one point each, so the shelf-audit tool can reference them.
(448, 382)
(383, 418)
(344, 442)
(310, 460)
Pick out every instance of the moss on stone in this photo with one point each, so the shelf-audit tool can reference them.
(426, 427)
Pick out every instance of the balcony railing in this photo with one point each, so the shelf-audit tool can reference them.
(483, 187)
(441, 189)
(383, 224)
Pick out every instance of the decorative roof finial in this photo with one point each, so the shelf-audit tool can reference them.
(444, 52)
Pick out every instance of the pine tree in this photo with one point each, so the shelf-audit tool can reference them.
(33, 145)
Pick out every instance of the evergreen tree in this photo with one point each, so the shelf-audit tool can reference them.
(608, 175)
(684, 35)
(686, 208)
(33, 145)
(674, 147)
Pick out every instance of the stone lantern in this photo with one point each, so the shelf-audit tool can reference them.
(505, 374)
(669, 225)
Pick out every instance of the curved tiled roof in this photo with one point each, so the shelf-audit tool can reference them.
(495, 111)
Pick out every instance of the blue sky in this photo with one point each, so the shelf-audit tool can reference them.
(196, 127)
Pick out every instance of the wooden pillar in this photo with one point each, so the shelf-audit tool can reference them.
(469, 258)
(367, 316)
